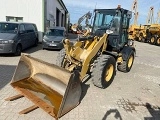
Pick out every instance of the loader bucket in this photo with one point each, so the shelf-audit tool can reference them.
(50, 87)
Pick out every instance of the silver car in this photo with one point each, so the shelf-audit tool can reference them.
(53, 38)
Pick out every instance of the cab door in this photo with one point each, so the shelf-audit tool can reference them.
(124, 31)
(22, 38)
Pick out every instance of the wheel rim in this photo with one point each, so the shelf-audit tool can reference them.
(109, 72)
(130, 61)
(158, 41)
(152, 40)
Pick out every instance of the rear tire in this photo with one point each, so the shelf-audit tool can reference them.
(103, 71)
(60, 57)
(126, 66)
(137, 39)
(153, 40)
(18, 50)
(141, 38)
(158, 41)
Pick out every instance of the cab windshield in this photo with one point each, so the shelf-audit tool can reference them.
(8, 28)
(107, 19)
(55, 32)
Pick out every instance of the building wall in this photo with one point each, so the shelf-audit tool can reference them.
(52, 6)
(31, 11)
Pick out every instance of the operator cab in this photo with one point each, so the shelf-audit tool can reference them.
(115, 20)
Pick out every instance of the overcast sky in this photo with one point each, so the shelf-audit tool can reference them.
(77, 8)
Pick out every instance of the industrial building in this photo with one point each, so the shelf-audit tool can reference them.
(44, 13)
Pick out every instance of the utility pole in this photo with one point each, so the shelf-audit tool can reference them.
(150, 18)
(135, 11)
(158, 17)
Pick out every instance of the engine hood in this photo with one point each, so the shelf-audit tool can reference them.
(7, 36)
(53, 38)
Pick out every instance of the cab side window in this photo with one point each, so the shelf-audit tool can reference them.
(124, 30)
(125, 22)
(29, 28)
(21, 28)
(34, 27)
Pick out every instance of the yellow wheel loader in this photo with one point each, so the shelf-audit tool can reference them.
(103, 51)
(57, 88)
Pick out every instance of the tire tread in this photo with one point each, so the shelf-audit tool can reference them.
(98, 70)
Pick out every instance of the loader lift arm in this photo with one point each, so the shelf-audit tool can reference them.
(77, 26)
(85, 16)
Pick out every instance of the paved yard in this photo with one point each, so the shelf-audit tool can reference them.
(131, 96)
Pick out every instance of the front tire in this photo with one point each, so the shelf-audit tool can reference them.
(158, 41)
(153, 40)
(141, 38)
(103, 71)
(18, 50)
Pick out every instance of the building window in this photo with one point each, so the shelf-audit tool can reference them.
(14, 19)
(57, 17)
(29, 28)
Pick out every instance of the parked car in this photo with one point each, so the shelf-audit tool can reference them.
(53, 38)
(16, 36)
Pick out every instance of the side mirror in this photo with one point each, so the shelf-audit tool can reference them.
(21, 32)
(65, 34)
(129, 14)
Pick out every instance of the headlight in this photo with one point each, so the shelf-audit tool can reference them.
(10, 41)
(6, 41)
(130, 42)
(44, 40)
(109, 31)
